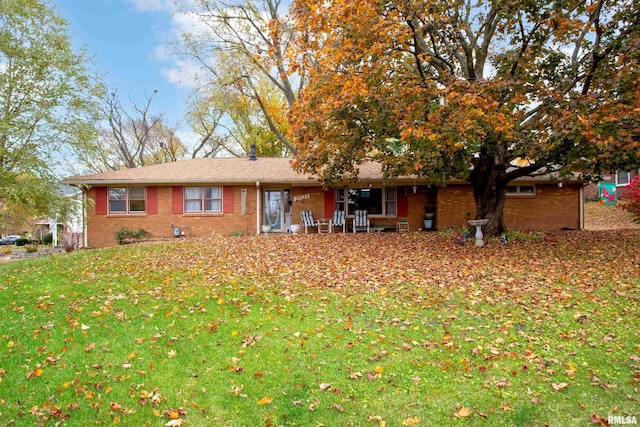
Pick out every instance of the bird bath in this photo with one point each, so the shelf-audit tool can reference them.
(478, 224)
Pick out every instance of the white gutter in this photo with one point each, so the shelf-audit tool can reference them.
(258, 207)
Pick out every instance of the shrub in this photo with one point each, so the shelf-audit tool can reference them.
(22, 241)
(31, 248)
(47, 239)
(5, 250)
(126, 235)
(630, 200)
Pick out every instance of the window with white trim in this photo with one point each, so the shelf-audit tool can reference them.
(622, 178)
(340, 199)
(390, 201)
(521, 190)
(203, 199)
(127, 200)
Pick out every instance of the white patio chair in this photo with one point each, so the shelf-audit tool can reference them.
(360, 221)
(339, 220)
(307, 220)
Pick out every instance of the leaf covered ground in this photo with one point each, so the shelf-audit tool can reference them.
(365, 330)
(602, 217)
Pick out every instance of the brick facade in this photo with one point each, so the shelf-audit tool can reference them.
(103, 226)
(551, 208)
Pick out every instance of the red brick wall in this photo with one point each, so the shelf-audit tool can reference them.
(552, 208)
(102, 228)
(307, 199)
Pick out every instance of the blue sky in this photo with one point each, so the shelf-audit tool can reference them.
(126, 38)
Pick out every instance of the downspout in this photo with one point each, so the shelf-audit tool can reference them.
(581, 208)
(258, 207)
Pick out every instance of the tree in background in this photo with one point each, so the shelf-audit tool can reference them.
(206, 121)
(241, 119)
(132, 136)
(47, 101)
(487, 91)
(242, 49)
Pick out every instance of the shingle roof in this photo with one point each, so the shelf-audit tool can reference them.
(231, 170)
(214, 170)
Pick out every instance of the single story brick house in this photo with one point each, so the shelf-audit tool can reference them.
(198, 197)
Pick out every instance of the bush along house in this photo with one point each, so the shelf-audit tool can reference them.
(198, 197)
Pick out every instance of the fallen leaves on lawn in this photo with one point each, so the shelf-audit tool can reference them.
(597, 419)
(265, 401)
(462, 412)
(559, 386)
(415, 273)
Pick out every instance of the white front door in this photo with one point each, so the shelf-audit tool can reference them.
(277, 210)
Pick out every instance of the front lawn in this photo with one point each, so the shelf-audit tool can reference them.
(308, 330)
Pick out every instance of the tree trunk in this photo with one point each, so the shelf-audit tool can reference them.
(490, 187)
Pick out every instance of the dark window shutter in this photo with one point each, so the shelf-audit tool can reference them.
(152, 200)
(101, 200)
(176, 200)
(227, 199)
(329, 202)
(403, 201)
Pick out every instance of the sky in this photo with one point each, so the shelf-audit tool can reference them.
(128, 40)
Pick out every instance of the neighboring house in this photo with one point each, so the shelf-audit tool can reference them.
(198, 197)
(70, 229)
(612, 186)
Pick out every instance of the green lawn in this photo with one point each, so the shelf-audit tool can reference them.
(309, 330)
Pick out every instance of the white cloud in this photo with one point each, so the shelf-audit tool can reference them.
(188, 23)
(188, 138)
(153, 5)
(183, 74)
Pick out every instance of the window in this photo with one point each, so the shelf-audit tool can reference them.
(622, 178)
(124, 200)
(521, 190)
(202, 199)
(340, 205)
(377, 201)
(390, 201)
(369, 199)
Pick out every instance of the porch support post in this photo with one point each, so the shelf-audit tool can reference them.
(258, 207)
(53, 227)
(85, 220)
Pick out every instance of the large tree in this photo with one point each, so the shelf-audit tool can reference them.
(47, 100)
(487, 91)
(242, 48)
(225, 114)
(132, 135)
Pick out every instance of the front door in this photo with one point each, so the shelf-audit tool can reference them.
(277, 210)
